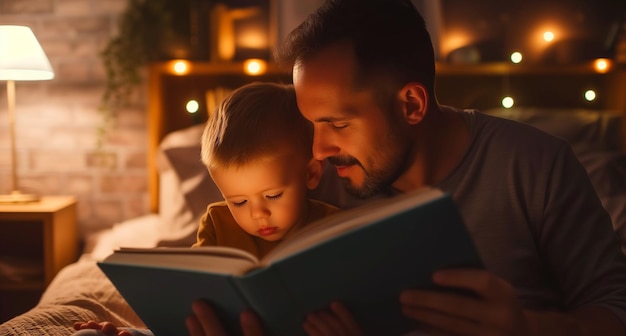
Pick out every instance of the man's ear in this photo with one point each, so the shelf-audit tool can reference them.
(314, 173)
(414, 100)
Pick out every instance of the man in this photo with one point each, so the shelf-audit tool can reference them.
(364, 76)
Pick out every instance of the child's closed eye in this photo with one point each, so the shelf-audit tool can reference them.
(239, 204)
(274, 197)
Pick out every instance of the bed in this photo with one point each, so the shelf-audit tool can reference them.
(181, 188)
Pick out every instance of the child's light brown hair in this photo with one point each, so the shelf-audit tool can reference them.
(255, 121)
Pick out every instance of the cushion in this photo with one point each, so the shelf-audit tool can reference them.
(185, 187)
(597, 129)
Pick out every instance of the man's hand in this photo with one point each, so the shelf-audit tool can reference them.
(493, 311)
(337, 320)
(204, 322)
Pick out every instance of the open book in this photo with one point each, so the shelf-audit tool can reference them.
(363, 257)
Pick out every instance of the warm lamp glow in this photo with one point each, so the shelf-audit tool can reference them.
(21, 55)
(21, 59)
(602, 65)
(254, 66)
(180, 67)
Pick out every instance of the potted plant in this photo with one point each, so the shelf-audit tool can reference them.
(149, 30)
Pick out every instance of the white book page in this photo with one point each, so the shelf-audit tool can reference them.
(348, 220)
(216, 259)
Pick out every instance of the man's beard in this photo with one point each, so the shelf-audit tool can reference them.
(375, 180)
(367, 190)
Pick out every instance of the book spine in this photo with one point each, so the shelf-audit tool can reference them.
(266, 293)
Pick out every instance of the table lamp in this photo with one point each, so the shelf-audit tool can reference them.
(21, 59)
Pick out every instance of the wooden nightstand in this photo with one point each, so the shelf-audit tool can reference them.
(36, 240)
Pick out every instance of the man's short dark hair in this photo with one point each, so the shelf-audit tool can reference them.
(389, 38)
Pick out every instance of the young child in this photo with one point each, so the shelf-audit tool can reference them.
(257, 148)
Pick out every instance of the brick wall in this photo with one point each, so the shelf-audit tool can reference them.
(57, 121)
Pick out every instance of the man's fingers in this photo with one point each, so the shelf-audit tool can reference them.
(442, 323)
(322, 323)
(194, 328)
(251, 324)
(337, 320)
(203, 322)
(481, 282)
(346, 318)
(446, 303)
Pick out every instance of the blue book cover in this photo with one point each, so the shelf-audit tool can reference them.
(363, 257)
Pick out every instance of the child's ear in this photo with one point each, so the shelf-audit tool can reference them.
(314, 173)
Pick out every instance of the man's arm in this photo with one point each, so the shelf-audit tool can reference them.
(495, 310)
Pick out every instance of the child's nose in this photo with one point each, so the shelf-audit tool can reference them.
(259, 212)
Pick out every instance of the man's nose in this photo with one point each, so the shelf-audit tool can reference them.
(323, 145)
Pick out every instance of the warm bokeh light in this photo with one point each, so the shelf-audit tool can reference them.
(192, 106)
(590, 95)
(540, 37)
(454, 40)
(602, 65)
(548, 36)
(254, 66)
(507, 102)
(516, 57)
(180, 67)
(252, 39)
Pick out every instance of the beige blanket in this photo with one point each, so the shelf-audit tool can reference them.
(80, 292)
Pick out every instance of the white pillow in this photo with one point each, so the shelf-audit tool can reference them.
(185, 187)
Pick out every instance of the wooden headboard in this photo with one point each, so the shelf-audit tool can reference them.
(479, 86)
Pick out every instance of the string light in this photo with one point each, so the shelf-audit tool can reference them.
(548, 36)
(602, 65)
(180, 67)
(590, 95)
(254, 66)
(507, 102)
(516, 57)
(192, 106)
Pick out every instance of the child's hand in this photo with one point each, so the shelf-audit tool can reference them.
(106, 327)
(337, 320)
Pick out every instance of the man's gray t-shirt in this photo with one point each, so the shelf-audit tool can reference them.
(533, 215)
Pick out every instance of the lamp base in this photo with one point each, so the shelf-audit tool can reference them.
(18, 197)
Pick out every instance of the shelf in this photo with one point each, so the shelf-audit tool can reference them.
(506, 68)
(200, 68)
(203, 68)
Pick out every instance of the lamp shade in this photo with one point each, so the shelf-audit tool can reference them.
(21, 55)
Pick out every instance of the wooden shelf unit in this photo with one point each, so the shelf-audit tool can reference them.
(36, 240)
